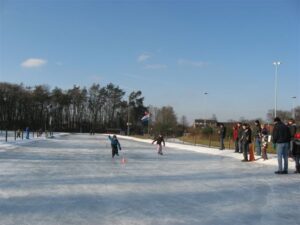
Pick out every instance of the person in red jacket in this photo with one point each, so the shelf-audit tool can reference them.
(236, 137)
(296, 152)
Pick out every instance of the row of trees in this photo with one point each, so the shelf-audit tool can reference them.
(98, 109)
(76, 109)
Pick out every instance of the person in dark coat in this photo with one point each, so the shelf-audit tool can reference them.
(257, 137)
(296, 152)
(27, 132)
(281, 139)
(246, 140)
(293, 130)
(159, 140)
(240, 134)
(222, 133)
(264, 141)
(115, 145)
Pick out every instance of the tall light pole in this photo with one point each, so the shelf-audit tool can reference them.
(276, 64)
(293, 109)
(205, 93)
(128, 117)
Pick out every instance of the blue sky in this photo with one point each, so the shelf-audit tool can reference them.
(173, 51)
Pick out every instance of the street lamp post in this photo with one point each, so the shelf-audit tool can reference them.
(5, 117)
(205, 93)
(293, 109)
(128, 117)
(276, 64)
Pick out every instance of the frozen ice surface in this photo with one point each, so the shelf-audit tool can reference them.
(73, 180)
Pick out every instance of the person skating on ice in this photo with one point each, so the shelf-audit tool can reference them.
(115, 145)
(159, 140)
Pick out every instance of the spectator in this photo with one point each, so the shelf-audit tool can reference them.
(235, 137)
(264, 141)
(222, 133)
(293, 130)
(246, 140)
(240, 134)
(281, 138)
(257, 137)
(296, 152)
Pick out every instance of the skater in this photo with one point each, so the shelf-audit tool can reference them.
(159, 140)
(115, 145)
(281, 137)
(264, 141)
(19, 133)
(27, 132)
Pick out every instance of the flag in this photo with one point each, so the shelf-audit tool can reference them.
(146, 118)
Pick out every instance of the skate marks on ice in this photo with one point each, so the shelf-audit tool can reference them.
(72, 180)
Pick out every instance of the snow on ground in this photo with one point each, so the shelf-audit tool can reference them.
(73, 180)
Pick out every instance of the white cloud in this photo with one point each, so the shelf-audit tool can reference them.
(33, 62)
(184, 62)
(156, 66)
(143, 57)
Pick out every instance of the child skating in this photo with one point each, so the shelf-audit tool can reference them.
(159, 140)
(115, 145)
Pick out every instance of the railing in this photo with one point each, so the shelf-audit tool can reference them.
(6, 135)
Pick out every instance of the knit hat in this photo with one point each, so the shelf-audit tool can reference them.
(277, 119)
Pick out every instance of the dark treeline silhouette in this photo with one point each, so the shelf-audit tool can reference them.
(77, 109)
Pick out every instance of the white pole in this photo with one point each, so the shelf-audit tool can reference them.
(293, 109)
(276, 64)
(205, 93)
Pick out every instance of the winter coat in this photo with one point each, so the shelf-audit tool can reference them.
(257, 131)
(235, 134)
(114, 142)
(296, 147)
(222, 132)
(159, 140)
(240, 133)
(293, 130)
(281, 133)
(246, 137)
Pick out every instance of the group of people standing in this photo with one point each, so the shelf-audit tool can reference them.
(283, 138)
(242, 136)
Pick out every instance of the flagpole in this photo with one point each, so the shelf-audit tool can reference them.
(149, 123)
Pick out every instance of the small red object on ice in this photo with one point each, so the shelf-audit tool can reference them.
(123, 160)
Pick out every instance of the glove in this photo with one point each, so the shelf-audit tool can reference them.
(120, 149)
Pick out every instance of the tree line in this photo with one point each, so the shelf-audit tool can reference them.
(77, 109)
(97, 108)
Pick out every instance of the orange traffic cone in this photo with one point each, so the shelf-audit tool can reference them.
(251, 153)
(123, 160)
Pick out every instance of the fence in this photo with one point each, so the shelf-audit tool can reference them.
(6, 135)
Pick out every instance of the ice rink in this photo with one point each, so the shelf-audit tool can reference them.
(73, 180)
